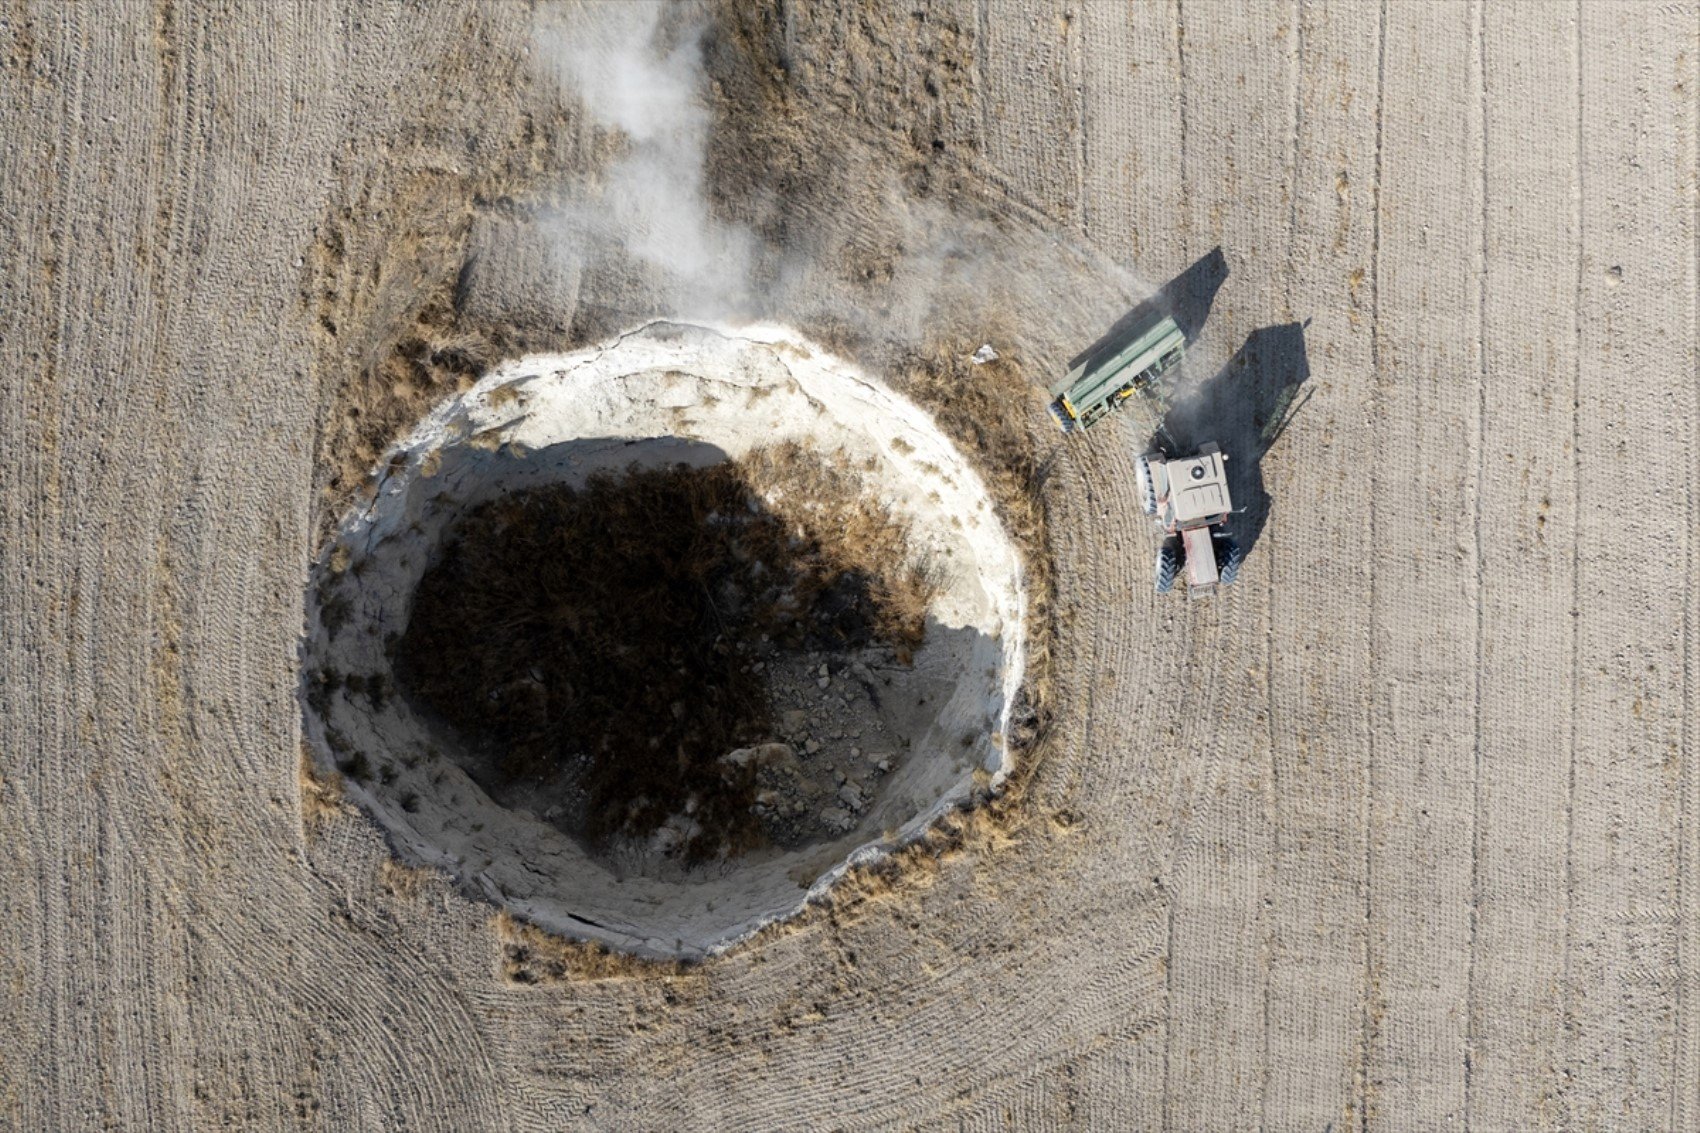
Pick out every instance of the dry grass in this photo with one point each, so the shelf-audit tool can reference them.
(394, 335)
(533, 956)
(853, 534)
(431, 357)
(321, 797)
(408, 882)
(620, 621)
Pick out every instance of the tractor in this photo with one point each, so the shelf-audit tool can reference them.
(1188, 497)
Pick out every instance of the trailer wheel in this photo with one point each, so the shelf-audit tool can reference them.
(1147, 485)
(1228, 558)
(1168, 563)
(1060, 415)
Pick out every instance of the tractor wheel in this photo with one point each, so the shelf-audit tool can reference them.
(1147, 486)
(1228, 558)
(1168, 564)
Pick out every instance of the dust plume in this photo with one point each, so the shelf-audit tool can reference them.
(643, 81)
(647, 227)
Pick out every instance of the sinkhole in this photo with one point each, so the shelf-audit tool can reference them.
(649, 642)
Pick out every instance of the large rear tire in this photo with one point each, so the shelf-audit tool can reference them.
(1147, 484)
(1168, 565)
(1228, 558)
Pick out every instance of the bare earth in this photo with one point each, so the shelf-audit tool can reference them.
(1402, 832)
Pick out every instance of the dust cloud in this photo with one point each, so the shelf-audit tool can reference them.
(638, 70)
(636, 76)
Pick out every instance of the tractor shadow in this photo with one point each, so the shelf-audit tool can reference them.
(1245, 408)
(1187, 299)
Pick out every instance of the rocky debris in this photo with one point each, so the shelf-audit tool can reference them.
(836, 819)
(832, 748)
(762, 755)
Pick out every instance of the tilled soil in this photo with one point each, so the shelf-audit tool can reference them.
(1400, 834)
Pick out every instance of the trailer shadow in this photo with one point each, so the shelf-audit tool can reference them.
(1244, 408)
(1187, 299)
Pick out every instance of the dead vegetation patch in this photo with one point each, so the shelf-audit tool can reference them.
(321, 796)
(530, 955)
(385, 282)
(611, 632)
(852, 534)
(406, 882)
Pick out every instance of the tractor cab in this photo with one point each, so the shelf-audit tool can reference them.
(1188, 498)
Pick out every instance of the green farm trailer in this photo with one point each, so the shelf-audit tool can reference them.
(1106, 379)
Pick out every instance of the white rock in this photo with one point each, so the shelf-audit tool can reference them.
(836, 818)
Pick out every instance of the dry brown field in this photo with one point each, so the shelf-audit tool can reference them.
(1400, 832)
